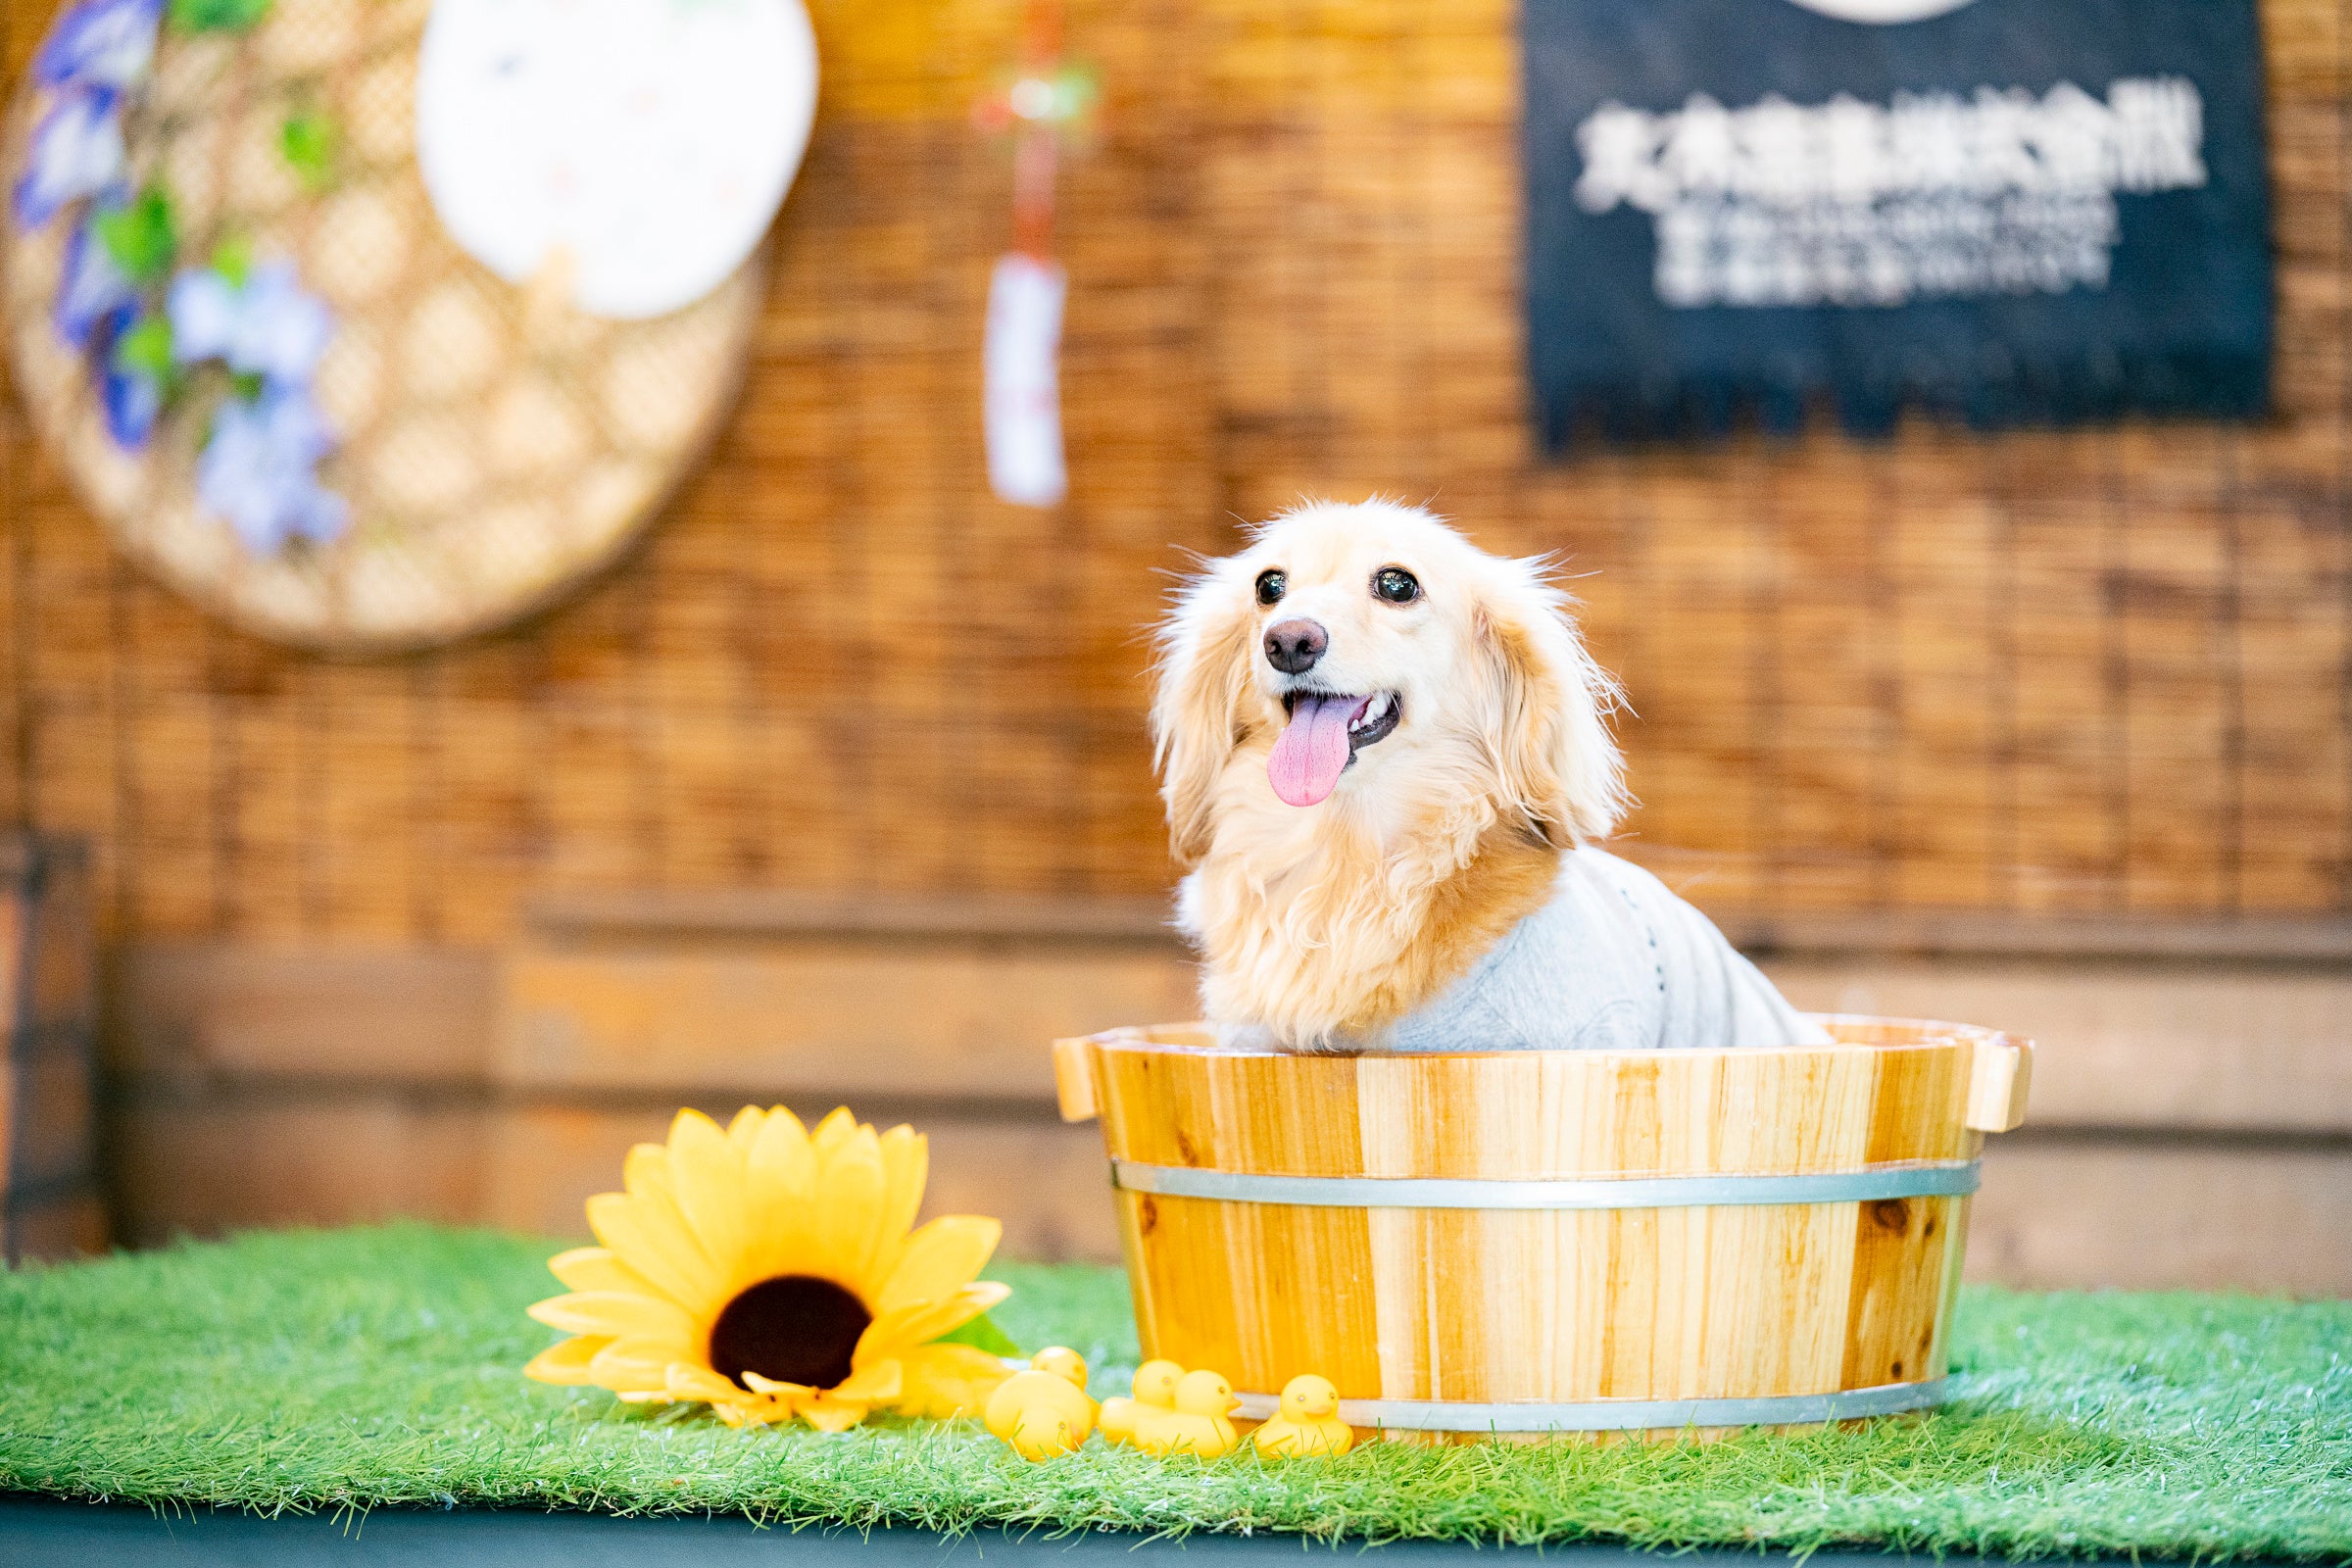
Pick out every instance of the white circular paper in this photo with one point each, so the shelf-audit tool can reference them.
(644, 144)
(1881, 11)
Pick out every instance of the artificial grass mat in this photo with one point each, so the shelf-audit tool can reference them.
(349, 1369)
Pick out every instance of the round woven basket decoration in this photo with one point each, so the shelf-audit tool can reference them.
(495, 445)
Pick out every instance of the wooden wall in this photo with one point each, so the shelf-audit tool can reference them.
(2085, 671)
(2044, 694)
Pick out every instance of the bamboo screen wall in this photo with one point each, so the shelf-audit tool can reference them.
(2088, 671)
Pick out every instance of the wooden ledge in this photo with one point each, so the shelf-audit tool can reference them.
(754, 913)
(1994, 934)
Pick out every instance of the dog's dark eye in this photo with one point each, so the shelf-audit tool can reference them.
(1393, 583)
(1271, 586)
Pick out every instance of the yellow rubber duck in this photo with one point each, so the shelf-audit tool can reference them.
(1044, 1411)
(1154, 1390)
(1308, 1423)
(1200, 1424)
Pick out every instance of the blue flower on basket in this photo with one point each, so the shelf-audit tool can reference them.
(133, 399)
(94, 291)
(103, 43)
(76, 151)
(264, 324)
(258, 470)
(139, 374)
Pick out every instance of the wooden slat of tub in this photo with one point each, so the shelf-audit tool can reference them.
(1260, 1292)
(1302, 1274)
(1295, 1116)
(1138, 1217)
(1651, 1268)
(1955, 1248)
(1536, 1115)
(1154, 1105)
(1904, 1249)
(1780, 1111)
(1269, 1118)
(1919, 1107)
(1190, 1277)
(1403, 1310)
(1181, 1273)
(1907, 1252)
(1758, 1310)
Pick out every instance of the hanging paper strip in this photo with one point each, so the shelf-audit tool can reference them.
(1023, 387)
(1047, 108)
(2020, 210)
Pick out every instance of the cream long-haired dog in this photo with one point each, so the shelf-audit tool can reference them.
(1386, 759)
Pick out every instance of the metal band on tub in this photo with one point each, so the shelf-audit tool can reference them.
(1624, 1415)
(1954, 1178)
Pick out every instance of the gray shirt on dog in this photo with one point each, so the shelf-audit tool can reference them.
(1615, 961)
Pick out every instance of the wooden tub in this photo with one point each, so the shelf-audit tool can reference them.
(1550, 1241)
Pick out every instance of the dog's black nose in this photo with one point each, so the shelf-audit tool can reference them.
(1293, 646)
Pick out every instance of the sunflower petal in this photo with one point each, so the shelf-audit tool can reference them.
(648, 1233)
(634, 1364)
(787, 1391)
(842, 1220)
(690, 1117)
(905, 1166)
(707, 1179)
(838, 1128)
(614, 1314)
(873, 1383)
(942, 1255)
(686, 1381)
(783, 1155)
(652, 1184)
(747, 1412)
(926, 1321)
(566, 1361)
(595, 1268)
(646, 1168)
(833, 1415)
(781, 1179)
(941, 1381)
(744, 1130)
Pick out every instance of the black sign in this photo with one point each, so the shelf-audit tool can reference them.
(2021, 210)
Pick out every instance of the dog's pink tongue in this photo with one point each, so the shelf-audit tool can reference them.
(1313, 750)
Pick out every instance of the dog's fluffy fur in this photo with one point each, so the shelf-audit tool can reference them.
(1323, 926)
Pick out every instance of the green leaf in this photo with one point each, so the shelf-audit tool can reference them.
(982, 1333)
(218, 16)
(232, 259)
(147, 348)
(309, 139)
(140, 237)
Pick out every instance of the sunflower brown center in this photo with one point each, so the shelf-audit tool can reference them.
(795, 1328)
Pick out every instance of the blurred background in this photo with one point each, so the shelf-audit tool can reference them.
(836, 789)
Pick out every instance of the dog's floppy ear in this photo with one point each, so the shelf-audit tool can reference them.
(1547, 713)
(1205, 646)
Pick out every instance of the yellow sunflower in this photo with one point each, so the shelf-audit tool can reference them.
(768, 1271)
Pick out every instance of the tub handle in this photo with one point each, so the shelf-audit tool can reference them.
(1074, 1079)
(1997, 1082)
